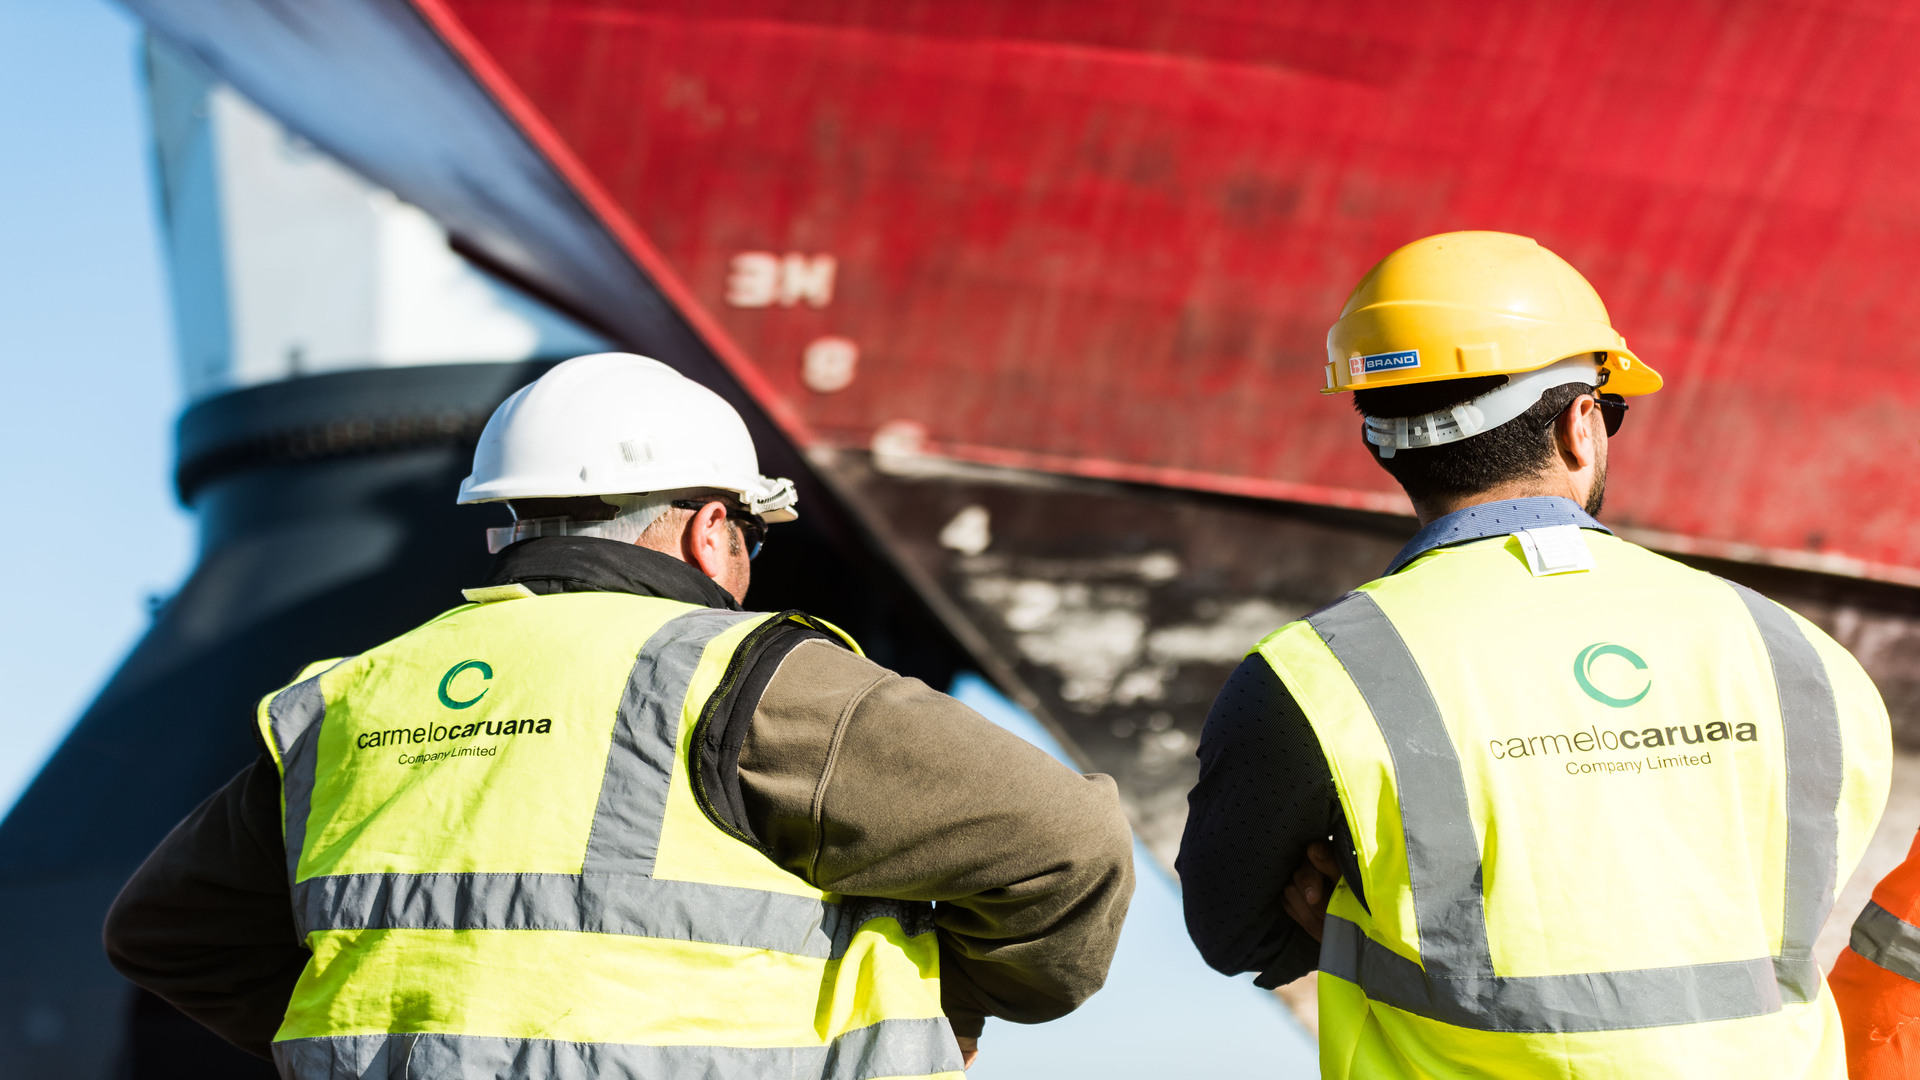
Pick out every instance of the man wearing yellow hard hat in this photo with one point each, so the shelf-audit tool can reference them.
(1538, 802)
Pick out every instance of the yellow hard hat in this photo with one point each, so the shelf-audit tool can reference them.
(1462, 304)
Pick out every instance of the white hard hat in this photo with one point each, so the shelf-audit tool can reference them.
(615, 424)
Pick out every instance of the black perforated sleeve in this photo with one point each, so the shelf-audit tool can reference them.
(1265, 793)
(728, 717)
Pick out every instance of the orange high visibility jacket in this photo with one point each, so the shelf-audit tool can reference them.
(1877, 980)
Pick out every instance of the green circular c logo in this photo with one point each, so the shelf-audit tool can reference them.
(1583, 668)
(486, 674)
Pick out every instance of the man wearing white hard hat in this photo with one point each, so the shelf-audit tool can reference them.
(601, 822)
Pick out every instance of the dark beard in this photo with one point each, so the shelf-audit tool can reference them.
(1598, 496)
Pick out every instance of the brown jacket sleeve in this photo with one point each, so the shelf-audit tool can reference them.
(206, 922)
(866, 783)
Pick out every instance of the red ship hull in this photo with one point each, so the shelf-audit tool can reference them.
(1107, 240)
(1094, 248)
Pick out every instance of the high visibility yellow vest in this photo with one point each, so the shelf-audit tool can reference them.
(502, 868)
(1600, 817)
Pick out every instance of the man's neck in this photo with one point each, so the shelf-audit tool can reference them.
(1432, 510)
(552, 564)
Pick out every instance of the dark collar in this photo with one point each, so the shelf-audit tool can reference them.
(557, 564)
(1494, 519)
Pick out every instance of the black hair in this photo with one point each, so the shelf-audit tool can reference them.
(1515, 450)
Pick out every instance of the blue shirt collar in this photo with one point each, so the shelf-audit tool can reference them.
(1494, 519)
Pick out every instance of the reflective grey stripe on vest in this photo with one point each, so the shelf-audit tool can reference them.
(1811, 719)
(293, 716)
(1888, 941)
(1455, 981)
(615, 894)
(633, 794)
(888, 1048)
(595, 904)
(1602, 1001)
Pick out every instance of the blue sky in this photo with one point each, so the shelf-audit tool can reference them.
(86, 448)
(1163, 1012)
(86, 454)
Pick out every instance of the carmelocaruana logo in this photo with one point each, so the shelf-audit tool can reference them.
(1584, 675)
(433, 733)
(1619, 685)
(455, 692)
(1593, 739)
(478, 667)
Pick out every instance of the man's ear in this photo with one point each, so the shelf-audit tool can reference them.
(1575, 434)
(705, 540)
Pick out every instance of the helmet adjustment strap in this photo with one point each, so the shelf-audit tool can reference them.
(1480, 414)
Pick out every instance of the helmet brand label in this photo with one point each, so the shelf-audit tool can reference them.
(1386, 361)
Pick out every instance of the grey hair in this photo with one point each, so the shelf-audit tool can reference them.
(632, 516)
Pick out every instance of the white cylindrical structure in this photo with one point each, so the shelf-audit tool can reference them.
(284, 263)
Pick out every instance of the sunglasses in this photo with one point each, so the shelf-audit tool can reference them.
(753, 529)
(1613, 411)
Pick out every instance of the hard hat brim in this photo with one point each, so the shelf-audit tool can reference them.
(1627, 375)
(1406, 342)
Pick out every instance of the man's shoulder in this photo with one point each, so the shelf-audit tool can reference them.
(1478, 567)
(802, 663)
(1644, 559)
